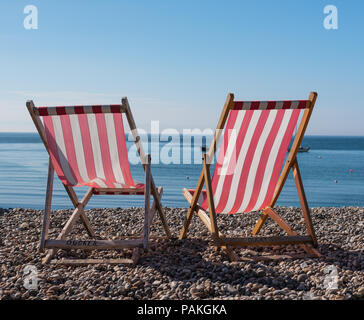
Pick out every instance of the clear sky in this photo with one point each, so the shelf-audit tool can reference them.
(177, 60)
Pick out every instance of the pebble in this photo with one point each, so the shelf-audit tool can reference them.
(196, 292)
(361, 291)
(301, 287)
(263, 290)
(233, 291)
(53, 290)
(186, 269)
(23, 226)
(302, 278)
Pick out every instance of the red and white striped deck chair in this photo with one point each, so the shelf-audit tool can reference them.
(87, 147)
(248, 175)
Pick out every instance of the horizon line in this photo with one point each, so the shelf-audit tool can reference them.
(181, 133)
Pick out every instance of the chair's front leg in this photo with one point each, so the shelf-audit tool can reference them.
(210, 199)
(48, 203)
(70, 223)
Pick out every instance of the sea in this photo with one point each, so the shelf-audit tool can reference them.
(332, 172)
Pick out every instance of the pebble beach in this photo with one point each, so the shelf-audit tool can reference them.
(187, 269)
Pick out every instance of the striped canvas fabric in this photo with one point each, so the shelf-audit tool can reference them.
(87, 146)
(251, 156)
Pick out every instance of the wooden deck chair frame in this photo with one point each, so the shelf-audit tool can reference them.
(52, 245)
(308, 243)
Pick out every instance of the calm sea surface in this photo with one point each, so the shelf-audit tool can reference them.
(24, 163)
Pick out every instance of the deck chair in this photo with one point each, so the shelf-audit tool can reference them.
(87, 147)
(248, 175)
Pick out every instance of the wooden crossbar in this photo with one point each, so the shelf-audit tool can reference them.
(93, 244)
(120, 191)
(82, 262)
(265, 241)
(90, 109)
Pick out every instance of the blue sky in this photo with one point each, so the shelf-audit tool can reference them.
(177, 60)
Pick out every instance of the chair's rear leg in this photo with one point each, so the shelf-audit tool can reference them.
(160, 209)
(192, 208)
(83, 217)
(136, 252)
(135, 256)
(262, 219)
(304, 204)
(152, 211)
(162, 215)
(287, 228)
(87, 224)
(186, 223)
(280, 221)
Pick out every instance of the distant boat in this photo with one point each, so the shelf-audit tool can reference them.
(301, 149)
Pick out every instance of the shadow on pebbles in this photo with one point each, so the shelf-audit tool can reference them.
(190, 268)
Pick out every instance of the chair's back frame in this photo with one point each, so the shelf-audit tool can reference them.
(229, 106)
(125, 108)
(291, 160)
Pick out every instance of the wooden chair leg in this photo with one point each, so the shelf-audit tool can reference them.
(192, 208)
(147, 203)
(83, 217)
(87, 224)
(187, 222)
(280, 221)
(134, 131)
(70, 223)
(47, 207)
(213, 219)
(135, 256)
(210, 199)
(287, 228)
(204, 217)
(152, 211)
(160, 208)
(304, 204)
(193, 203)
(263, 218)
(229, 103)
